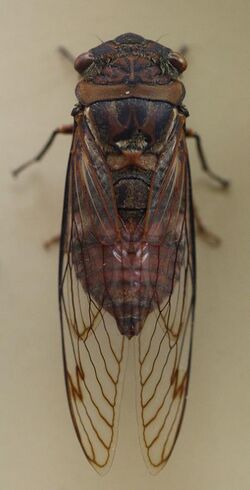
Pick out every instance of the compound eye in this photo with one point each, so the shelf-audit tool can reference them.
(83, 61)
(178, 61)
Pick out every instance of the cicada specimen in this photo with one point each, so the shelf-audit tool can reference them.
(127, 251)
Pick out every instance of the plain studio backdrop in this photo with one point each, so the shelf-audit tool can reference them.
(38, 446)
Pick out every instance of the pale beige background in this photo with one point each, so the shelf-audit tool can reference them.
(38, 447)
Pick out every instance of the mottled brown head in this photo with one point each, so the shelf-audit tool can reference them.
(130, 59)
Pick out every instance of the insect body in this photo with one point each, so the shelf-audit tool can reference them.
(127, 266)
(127, 254)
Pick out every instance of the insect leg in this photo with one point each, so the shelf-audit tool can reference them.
(66, 129)
(192, 134)
(67, 54)
(52, 241)
(203, 232)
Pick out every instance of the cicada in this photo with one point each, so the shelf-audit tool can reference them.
(127, 247)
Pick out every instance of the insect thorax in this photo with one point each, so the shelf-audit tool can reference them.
(132, 134)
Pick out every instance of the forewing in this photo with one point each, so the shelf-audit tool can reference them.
(94, 352)
(163, 349)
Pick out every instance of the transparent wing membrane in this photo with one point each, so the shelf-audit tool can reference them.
(94, 350)
(163, 349)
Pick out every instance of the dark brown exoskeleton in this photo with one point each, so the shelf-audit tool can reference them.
(127, 259)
